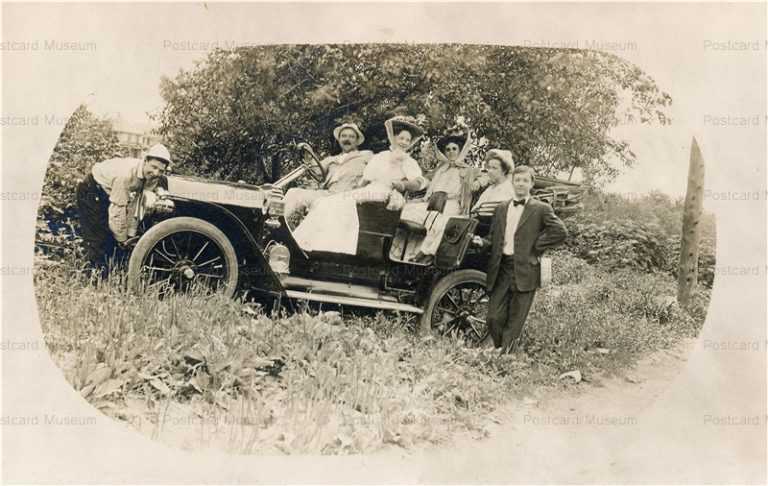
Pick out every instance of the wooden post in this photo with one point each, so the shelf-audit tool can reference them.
(688, 270)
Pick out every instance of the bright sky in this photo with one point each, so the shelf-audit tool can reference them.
(714, 70)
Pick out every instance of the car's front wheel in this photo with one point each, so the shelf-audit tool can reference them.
(181, 254)
(458, 305)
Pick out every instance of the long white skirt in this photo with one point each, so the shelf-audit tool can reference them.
(332, 224)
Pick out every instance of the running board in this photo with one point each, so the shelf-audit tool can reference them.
(354, 301)
(338, 289)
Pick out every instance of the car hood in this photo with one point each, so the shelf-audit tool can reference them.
(219, 192)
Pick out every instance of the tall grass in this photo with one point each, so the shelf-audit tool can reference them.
(226, 375)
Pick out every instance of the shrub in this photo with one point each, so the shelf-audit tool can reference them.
(617, 244)
(642, 233)
(607, 321)
(568, 269)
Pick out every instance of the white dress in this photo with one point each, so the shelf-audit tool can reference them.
(332, 224)
(447, 179)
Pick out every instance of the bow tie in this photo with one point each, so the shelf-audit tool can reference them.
(518, 203)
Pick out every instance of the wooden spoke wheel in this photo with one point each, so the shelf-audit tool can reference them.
(183, 253)
(458, 306)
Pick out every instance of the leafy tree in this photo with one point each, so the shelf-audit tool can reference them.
(555, 107)
(234, 113)
(85, 140)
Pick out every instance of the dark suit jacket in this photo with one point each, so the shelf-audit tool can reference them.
(537, 230)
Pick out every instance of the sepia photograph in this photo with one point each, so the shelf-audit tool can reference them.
(402, 243)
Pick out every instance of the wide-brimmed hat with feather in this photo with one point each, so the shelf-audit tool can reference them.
(460, 137)
(398, 123)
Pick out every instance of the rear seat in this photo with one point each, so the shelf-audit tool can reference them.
(484, 215)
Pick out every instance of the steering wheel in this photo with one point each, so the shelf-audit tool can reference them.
(312, 163)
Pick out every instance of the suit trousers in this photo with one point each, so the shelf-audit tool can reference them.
(507, 307)
(92, 208)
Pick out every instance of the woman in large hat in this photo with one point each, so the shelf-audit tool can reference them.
(394, 168)
(332, 223)
(453, 177)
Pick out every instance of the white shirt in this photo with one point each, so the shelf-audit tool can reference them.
(105, 173)
(122, 178)
(344, 170)
(503, 191)
(338, 159)
(513, 217)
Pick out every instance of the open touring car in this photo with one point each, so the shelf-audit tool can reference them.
(234, 237)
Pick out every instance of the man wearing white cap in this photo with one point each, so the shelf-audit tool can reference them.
(343, 171)
(107, 200)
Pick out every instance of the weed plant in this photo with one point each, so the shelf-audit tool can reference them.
(224, 373)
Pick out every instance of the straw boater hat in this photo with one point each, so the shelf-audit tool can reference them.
(351, 126)
(505, 156)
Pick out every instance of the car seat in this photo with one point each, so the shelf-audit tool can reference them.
(412, 229)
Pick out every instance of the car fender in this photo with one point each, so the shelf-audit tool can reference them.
(250, 252)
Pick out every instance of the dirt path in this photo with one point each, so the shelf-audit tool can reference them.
(607, 403)
(614, 431)
(573, 436)
(639, 428)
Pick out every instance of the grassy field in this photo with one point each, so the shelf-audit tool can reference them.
(218, 373)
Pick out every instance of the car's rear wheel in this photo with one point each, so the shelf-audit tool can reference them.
(458, 306)
(181, 254)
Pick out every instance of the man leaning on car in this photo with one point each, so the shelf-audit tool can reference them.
(110, 199)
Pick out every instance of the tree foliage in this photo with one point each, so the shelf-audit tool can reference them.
(232, 115)
(85, 140)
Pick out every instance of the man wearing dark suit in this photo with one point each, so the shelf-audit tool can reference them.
(521, 230)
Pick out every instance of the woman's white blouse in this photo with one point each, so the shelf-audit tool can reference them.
(385, 168)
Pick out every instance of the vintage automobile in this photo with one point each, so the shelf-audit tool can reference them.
(234, 237)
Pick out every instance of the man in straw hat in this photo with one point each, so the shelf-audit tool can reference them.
(343, 171)
(110, 199)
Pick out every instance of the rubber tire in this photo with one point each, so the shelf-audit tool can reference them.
(177, 225)
(442, 286)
